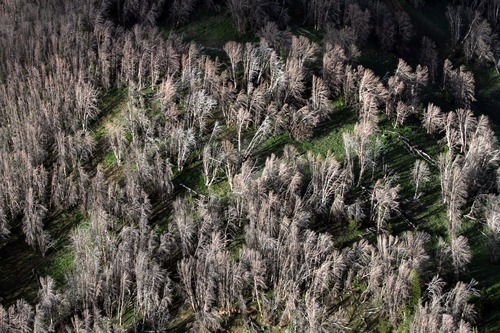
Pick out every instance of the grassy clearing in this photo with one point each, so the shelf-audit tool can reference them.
(328, 136)
(329, 142)
(109, 159)
(19, 267)
(60, 258)
(111, 103)
(182, 317)
(61, 265)
(213, 31)
(486, 273)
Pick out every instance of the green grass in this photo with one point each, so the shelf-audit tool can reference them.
(213, 31)
(330, 142)
(21, 266)
(220, 189)
(61, 265)
(109, 159)
(327, 136)
(111, 103)
(488, 276)
(191, 177)
(60, 258)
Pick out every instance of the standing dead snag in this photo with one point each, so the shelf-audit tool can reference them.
(230, 159)
(237, 11)
(466, 125)
(405, 30)
(371, 93)
(433, 119)
(321, 13)
(359, 21)
(182, 143)
(334, 61)
(481, 157)
(329, 182)
(50, 308)
(421, 175)
(447, 312)
(117, 139)
(86, 102)
(385, 30)
(294, 84)
(303, 50)
(492, 216)
(454, 16)
(167, 92)
(478, 42)
(404, 91)
(212, 160)
(429, 57)
(199, 107)
(319, 101)
(242, 121)
(4, 225)
(384, 201)
(461, 254)
(362, 145)
(300, 122)
(34, 213)
(453, 189)
(461, 84)
(185, 226)
(234, 52)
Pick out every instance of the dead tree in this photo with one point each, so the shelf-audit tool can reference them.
(86, 103)
(453, 189)
(478, 41)
(384, 201)
(461, 84)
(429, 57)
(405, 31)
(433, 120)
(446, 312)
(421, 175)
(461, 254)
(370, 95)
(334, 61)
(182, 143)
(50, 308)
(329, 182)
(234, 52)
(212, 161)
(454, 16)
(359, 21)
(492, 215)
(34, 213)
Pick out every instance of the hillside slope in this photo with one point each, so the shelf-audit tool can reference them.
(250, 165)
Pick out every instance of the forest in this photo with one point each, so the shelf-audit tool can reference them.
(249, 166)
